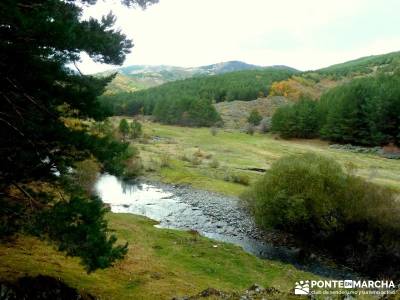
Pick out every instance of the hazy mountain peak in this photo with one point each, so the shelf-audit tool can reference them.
(137, 77)
(229, 66)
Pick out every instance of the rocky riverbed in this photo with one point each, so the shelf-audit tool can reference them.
(216, 216)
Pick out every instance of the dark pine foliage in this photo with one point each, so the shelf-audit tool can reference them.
(77, 226)
(299, 120)
(39, 39)
(254, 117)
(189, 101)
(365, 111)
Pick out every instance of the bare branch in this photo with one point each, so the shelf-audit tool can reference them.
(13, 127)
(78, 68)
(31, 199)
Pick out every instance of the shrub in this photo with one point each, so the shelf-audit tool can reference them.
(213, 131)
(184, 157)
(237, 178)
(208, 155)
(196, 160)
(280, 197)
(198, 153)
(311, 197)
(241, 179)
(133, 168)
(165, 160)
(136, 129)
(214, 164)
(152, 165)
(86, 173)
(265, 125)
(123, 128)
(254, 117)
(249, 129)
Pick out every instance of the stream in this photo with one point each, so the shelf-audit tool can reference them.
(215, 216)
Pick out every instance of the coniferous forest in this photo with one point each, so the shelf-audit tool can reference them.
(189, 101)
(364, 111)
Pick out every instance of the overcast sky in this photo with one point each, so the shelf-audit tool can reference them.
(304, 34)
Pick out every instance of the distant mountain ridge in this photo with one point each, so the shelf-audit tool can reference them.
(213, 69)
(137, 77)
(230, 66)
(314, 82)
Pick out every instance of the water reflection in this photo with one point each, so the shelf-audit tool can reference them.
(220, 219)
(117, 192)
(137, 198)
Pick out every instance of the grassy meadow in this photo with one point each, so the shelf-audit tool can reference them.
(160, 264)
(188, 155)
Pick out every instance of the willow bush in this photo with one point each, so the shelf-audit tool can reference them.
(311, 197)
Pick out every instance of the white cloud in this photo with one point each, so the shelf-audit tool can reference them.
(197, 32)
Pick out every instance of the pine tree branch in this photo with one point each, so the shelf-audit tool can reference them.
(26, 193)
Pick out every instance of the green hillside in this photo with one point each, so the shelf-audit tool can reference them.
(170, 101)
(312, 84)
(122, 83)
(189, 101)
(364, 65)
(138, 77)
